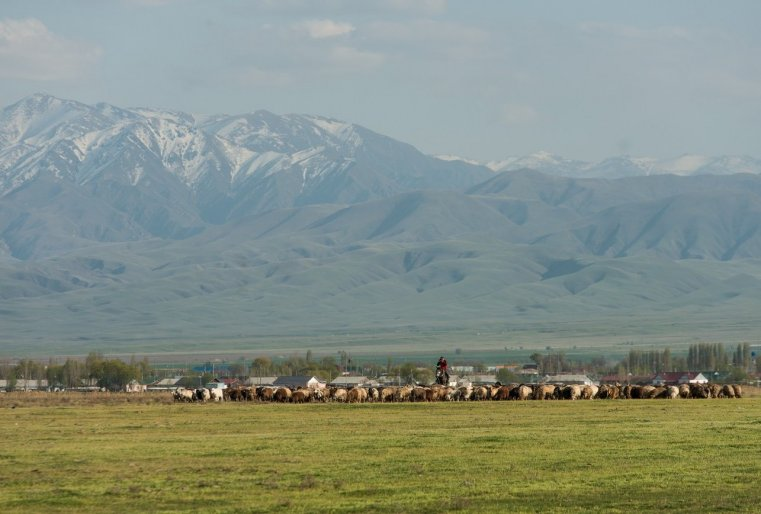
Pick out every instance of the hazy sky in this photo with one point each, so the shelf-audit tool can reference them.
(479, 79)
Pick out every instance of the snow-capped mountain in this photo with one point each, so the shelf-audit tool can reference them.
(545, 162)
(627, 166)
(258, 159)
(131, 173)
(126, 224)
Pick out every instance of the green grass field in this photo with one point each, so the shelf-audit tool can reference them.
(120, 454)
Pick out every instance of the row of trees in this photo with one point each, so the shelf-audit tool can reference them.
(715, 357)
(114, 374)
(111, 374)
(329, 367)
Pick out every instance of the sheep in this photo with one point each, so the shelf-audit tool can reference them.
(588, 392)
(544, 392)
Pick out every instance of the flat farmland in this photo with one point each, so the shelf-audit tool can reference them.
(113, 453)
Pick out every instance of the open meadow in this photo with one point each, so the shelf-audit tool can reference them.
(74, 452)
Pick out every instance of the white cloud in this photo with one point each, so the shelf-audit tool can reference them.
(321, 29)
(29, 51)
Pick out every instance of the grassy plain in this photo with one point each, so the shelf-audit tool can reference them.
(145, 454)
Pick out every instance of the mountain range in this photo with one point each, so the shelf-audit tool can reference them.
(147, 230)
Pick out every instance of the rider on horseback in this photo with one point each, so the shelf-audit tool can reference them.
(442, 377)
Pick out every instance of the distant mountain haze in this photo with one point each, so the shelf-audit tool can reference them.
(148, 228)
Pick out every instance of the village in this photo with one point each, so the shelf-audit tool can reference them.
(462, 376)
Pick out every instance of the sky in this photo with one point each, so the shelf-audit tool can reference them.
(483, 80)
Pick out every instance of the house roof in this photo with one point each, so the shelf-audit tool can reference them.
(350, 380)
(677, 376)
(261, 380)
(623, 379)
(167, 382)
(25, 384)
(567, 378)
(296, 380)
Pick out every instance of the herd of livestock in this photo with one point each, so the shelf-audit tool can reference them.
(433, 393)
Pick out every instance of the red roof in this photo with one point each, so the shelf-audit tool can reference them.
(624, 379)
(676, 376)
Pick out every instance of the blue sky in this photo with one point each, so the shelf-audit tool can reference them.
(479, 79)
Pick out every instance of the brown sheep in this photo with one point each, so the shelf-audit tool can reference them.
(357, 395)
(608, 392)
(699, 391)
(544, 392)
(182, 394)
(419, 394)
(503, 393)
(464, 393)
(248, 394)
(571, 392)
(265, 393)
(672, 392)
(588, 392)
(301, 396)
(403, 393)
(602, 392)
(480, 393)
(282, 394)
(387, 394)
(338, 394)
(525, 392)
(439, 393)
(233, 394)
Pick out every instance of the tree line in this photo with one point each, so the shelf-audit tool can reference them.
(113, 373)
(96, 370)
(736, 362)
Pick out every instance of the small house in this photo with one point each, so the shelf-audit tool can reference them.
(567, 379)
(294, 382)
(260, 381)
(481, 379)
(135, 387)
(24, 384)
(679, 377)
(356, 381)
(165, 384)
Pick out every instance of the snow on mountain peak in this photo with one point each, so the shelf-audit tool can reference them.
(331, 126)
(75, 141)
(450, 158)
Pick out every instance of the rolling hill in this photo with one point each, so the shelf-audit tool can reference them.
(147, 231)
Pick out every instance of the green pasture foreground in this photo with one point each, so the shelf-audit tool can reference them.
(585, 456)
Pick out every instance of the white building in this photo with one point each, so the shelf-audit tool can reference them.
(300, 381)
(567, 379)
